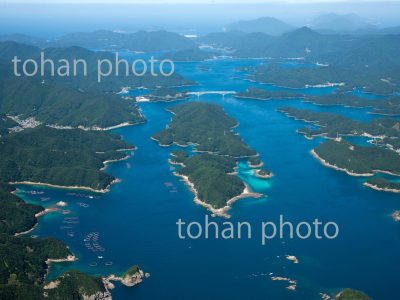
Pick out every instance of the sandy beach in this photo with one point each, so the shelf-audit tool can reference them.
(61, 186)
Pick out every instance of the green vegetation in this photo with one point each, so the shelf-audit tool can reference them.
(24, 259)
(264, 172)
(358, 159)
(305, 76)
(76, 285)
(367, 61)
(350, 294)
(132, 271)
(74, 100)
(59, 157)
(207, 127)
(15, 214)
(62, 157)
(384, 184)
(21, 292)
(255, 161)
(387, 106)
(166, 94)
(70, 157)
(260, 94)
(178, 156)
(55, 103)
(59, 105)
(209, 174)
(355, 159)
(139, 41)
(387, 130)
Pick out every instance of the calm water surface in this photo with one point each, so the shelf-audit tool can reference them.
(135, 221)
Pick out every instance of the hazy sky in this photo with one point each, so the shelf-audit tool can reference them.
(184, 1)
(52, 18)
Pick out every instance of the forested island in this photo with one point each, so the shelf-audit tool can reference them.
(346, 79)
(386, 131)
(205, 126)
(383, 184)
(212, 177)
(210, 174)
(358, 160)
(350, 294)
(261, 94)
(388, 106)
(165, 94)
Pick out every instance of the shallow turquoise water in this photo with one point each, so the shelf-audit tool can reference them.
(136, 220)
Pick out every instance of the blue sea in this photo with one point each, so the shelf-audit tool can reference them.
(135, 223)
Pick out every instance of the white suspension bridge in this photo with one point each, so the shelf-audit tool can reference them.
(222, 93)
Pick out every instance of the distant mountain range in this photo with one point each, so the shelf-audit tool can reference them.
(265, 25)
(75, 100)
(330, 23)
(346, 23)
(361, 61)
(146, 41)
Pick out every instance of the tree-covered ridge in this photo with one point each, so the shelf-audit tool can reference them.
(207, 127)
(350, 294)
(331, 125)
(386, 106)
(261, 94)
(15, 214)
(23, 260)
(59, 157)
(153, 41)
(210, 176)
(369, 61)
(165, 94)
(358, 159)
(72, 100)
(347, 77)
(64, 106)
(76, 285)
(88, 83)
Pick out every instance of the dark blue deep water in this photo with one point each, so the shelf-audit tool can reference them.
(136, 220)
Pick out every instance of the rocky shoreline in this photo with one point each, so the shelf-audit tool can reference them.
(327, 164)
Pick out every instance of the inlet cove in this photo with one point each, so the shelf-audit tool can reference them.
(266, 166)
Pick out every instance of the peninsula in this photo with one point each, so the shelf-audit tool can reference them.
(62, 158)
(210, 171)
(262, 94)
